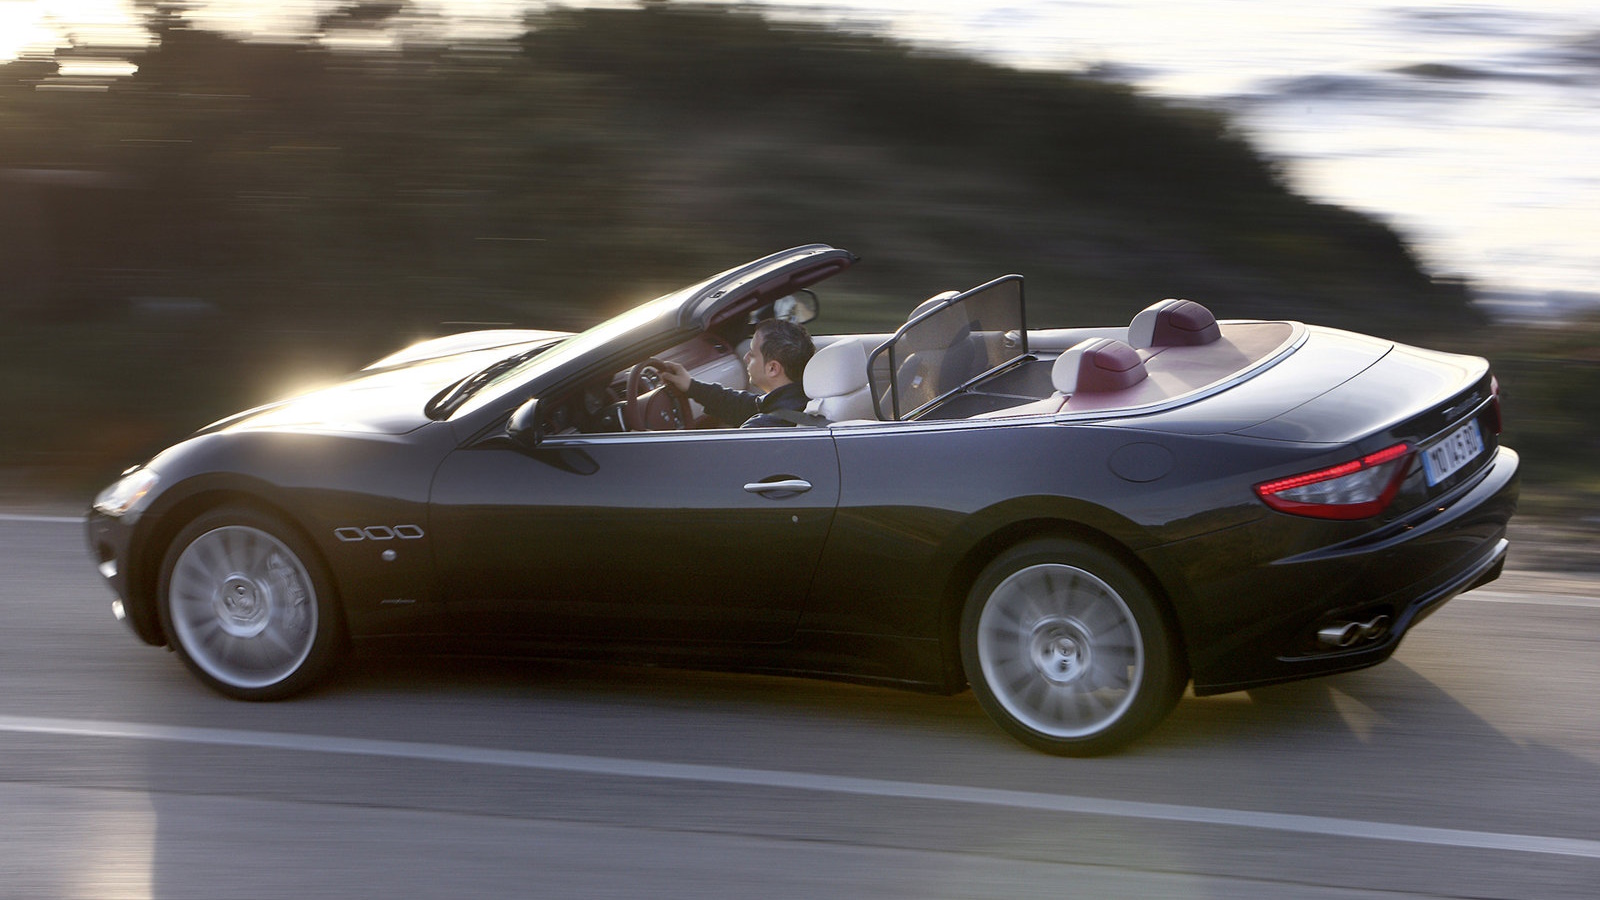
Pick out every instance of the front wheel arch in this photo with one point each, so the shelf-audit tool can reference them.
(156, 534)
(287, 645)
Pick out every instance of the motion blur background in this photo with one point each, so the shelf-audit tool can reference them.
(204, 205)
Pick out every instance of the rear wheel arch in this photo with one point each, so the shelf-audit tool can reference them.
(965, 573)
(1069, 644)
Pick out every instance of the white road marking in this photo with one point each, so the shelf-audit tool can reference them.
(47, 520)
(837, 784)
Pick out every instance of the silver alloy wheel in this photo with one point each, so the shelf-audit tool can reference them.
(243, 606)
(1061, 650)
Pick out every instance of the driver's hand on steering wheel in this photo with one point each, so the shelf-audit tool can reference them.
(676, 375)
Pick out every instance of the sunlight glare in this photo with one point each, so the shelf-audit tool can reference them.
(118, 849)
(38, 27)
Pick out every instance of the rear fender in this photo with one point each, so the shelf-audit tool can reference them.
(989, 532)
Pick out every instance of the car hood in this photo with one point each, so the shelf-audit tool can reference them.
(377, 400)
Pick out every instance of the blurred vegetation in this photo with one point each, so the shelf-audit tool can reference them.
(1550, 389)
(237, 219)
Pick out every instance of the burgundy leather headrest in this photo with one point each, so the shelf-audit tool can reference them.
(1097, 365)
(1173, 323)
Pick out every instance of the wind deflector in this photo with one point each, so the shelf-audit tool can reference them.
(947, 347)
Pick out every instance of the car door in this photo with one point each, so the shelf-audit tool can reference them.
(636, 537)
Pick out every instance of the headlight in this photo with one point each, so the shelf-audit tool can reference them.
(129, 490)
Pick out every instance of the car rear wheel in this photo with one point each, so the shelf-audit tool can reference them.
(1066, 649)
(246, 604)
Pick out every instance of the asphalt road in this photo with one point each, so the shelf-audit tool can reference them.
(1467, 766)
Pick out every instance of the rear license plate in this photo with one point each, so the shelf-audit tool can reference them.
(1458, 448)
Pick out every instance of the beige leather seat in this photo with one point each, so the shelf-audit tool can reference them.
(836, 381)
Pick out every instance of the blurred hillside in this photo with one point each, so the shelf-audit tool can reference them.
(1550, 381)
(238, 219)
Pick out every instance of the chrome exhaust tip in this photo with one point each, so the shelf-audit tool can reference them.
(1345, 634)
(1375, 629)
(1348, 634)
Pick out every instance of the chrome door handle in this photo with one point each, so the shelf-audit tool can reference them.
(789, 486)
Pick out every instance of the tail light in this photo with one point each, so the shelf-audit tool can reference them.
(1356, 489)
(1492, 414)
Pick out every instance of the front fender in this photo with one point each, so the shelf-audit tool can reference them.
(360, 501)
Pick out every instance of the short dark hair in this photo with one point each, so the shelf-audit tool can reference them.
(787, 343)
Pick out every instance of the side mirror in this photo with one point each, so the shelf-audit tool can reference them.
(799, 307)
(523, 426)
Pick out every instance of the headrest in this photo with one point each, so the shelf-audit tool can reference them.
(1173, 323)
(936, 300)
(837, 369)
(1097, 365)
(938, 331)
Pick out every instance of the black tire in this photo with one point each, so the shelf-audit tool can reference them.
(1067, 650)
(248, 606)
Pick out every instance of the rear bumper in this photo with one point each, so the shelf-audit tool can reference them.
(1264, 630)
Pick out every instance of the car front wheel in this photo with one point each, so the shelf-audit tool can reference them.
(1066, 649)
(247, 605)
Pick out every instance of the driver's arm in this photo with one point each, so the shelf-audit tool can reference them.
(725, 404)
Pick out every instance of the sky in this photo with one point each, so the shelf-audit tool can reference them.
(41, 24)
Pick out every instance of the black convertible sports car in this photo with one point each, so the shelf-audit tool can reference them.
(1077, 522)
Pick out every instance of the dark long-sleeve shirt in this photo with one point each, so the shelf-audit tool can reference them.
(748, 409)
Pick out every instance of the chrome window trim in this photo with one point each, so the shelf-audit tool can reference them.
(694, 434)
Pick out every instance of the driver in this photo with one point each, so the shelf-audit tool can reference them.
(776, 361)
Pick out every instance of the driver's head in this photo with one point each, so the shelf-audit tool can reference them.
(778, 354)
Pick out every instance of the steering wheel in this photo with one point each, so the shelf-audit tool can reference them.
(662, 408)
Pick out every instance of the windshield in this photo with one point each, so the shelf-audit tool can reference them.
(446, 401)
(660, 311)
(657, 317)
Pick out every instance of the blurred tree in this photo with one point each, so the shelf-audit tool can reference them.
(1550, 384)
(362, 14)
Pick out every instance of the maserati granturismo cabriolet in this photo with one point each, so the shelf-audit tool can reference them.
(1077, 522)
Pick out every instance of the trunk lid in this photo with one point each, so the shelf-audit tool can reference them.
(1343, 390)
(1443, 406)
